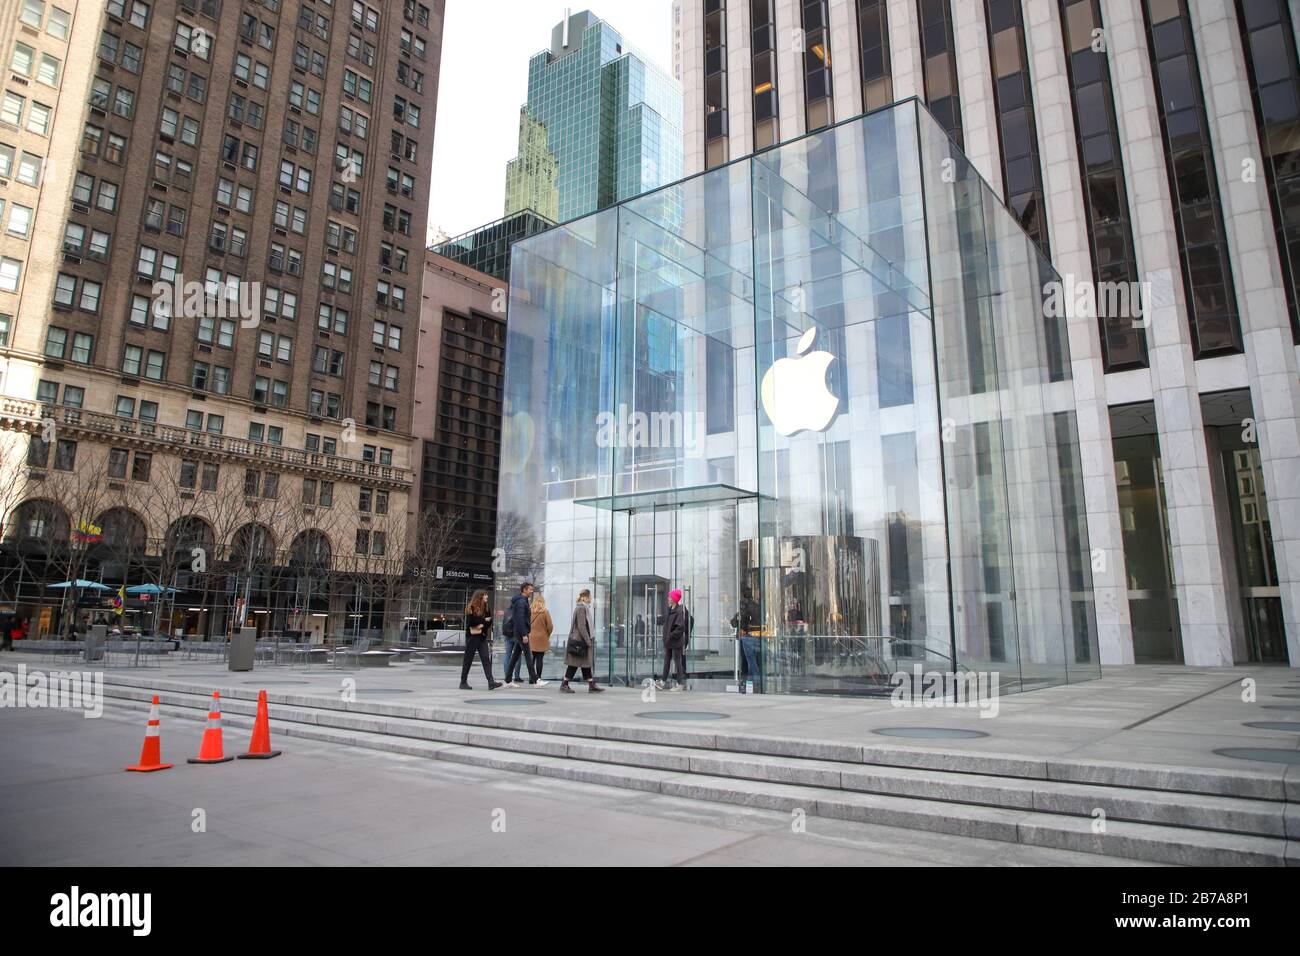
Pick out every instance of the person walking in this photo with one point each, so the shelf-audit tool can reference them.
(517, 625)
(539, 637)
(747, 623)
(478, 640)
(580, 651)
(677, 634)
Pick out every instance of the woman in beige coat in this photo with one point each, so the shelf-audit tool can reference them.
(539, 636)
(580, 650)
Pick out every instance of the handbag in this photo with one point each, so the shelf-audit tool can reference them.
(576, 646)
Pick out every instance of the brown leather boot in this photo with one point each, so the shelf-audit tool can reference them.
(593, 689)
(565, 688)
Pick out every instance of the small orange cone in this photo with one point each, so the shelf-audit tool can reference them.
(210, 750)
(151, 755)
(259, 747)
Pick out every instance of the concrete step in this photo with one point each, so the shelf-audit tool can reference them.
(1135, 841)
(984, 806)
(1240, 783)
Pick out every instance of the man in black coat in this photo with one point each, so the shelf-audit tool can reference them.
(519, 621)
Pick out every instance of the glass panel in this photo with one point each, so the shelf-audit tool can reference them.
(1020, 570)
(1144, 524)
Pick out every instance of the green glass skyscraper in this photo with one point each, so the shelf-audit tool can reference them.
(611, 119)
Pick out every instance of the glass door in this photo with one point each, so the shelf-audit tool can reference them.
(661, 547)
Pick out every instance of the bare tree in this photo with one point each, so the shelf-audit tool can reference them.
(75, 483)
(13, 491)
(436, 543)
(519, 550)
(310, 534)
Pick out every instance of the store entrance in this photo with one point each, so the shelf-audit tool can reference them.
(688, 541)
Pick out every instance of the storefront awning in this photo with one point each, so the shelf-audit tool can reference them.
(671, 497)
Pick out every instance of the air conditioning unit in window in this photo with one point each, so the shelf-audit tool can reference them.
(81, 207)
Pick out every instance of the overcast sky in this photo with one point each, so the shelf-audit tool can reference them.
(484, 80)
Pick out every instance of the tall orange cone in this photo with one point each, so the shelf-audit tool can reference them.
(151, 755)
(259, 747)
(210, 750)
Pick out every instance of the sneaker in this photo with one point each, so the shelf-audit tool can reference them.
(659, 685)
(541, 683)
(676, 688)
(464, 686)
(514, 683)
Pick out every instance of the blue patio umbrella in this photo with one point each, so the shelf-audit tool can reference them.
(151, 589)
(81, 583)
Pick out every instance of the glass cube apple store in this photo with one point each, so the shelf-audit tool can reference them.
(817, 390)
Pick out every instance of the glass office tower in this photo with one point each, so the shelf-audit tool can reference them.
(611, 120)
(823, 390)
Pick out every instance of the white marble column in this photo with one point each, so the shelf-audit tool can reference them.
(1201, 581)
(979, 120)
(1257, 277)
(1068, 234)
(905, 50)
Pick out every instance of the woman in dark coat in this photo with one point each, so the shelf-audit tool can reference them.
(580, 634)
(677, 633)
(478, 640)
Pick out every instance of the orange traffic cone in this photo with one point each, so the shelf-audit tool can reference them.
(259, 747)
(210, 750)
(151, 755)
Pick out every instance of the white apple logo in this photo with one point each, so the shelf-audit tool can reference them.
(806, 403)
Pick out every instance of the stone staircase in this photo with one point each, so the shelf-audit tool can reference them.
(1169, 815)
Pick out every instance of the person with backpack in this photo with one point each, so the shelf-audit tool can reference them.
(516, 627)
(677, 634)
(580, 651)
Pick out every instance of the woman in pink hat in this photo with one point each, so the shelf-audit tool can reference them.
(677, 633)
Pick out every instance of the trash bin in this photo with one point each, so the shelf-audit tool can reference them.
(96, 642)
(242, 645)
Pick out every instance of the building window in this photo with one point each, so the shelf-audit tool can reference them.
(939, 65)
(1273, 71)
(1105, 194)
(715, 84)
(816, 54)
(1193, 184)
